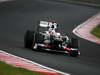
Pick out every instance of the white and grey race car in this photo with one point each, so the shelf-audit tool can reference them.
(51, 40)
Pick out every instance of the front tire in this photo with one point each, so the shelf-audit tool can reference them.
(73, 53)
(74, 43)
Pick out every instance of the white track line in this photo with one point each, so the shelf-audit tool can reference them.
(57, 71)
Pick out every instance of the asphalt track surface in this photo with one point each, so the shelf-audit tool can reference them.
(18, 16)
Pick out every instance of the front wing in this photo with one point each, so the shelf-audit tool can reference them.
(70, 51)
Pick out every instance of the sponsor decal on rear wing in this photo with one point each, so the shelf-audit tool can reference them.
(47, 24)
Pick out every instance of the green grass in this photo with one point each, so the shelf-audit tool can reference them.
(6, 69)
(96, 31)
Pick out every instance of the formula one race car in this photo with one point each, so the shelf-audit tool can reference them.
(51, 40)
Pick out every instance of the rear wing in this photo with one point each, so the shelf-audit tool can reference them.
(46, 24)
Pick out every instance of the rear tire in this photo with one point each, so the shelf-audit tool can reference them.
(39, 38)
(28, 39)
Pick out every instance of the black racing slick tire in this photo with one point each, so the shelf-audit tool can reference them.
(28, 39)
(73, 43)
(39, 38)
(74, 53)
